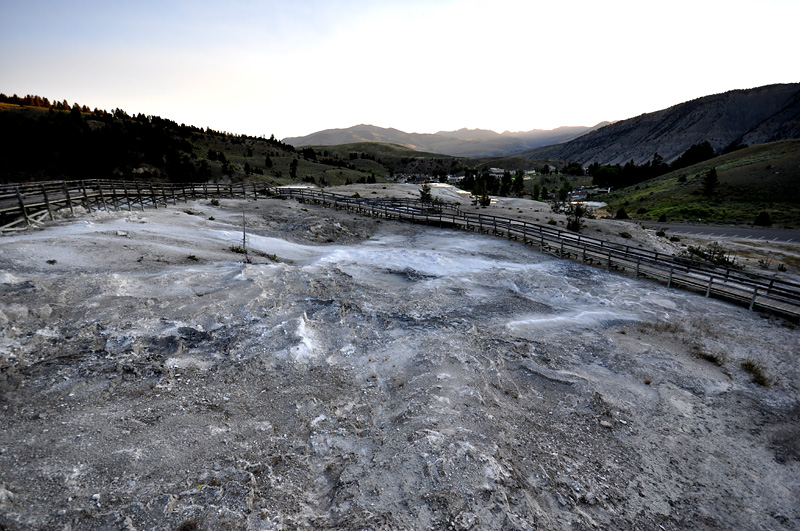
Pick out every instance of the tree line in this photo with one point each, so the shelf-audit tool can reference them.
(629, 174)
(73, 142)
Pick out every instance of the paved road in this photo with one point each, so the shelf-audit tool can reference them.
(722, 231)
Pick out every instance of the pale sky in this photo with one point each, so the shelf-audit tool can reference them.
(291, 68)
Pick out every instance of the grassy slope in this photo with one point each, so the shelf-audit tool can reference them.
(759, 178)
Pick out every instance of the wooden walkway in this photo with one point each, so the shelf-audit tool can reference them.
(24, 204)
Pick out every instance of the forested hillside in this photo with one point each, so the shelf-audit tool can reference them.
(47, 140)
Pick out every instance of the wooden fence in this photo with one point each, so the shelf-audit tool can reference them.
(23, 204)
(753, 290)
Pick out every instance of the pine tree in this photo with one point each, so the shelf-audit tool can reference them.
(710, 182)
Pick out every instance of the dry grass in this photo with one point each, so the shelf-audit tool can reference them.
(756, 370)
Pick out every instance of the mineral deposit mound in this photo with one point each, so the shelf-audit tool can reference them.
(360, 374)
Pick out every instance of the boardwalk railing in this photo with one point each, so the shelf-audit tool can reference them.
(23, 204)
(753, 290)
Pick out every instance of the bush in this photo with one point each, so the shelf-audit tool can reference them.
(756, 371)
(713, 253)
(662, 218)
(621, 214)
(763, 219)
(626, 235)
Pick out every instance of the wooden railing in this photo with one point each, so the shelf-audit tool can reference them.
(24, 204)
(753, 290)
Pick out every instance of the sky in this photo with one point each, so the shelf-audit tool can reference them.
(294, 67)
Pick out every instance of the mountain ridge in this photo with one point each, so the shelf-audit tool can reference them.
(749, 116)
(461, 143)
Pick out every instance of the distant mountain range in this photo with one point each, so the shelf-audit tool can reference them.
(461, 143)
(750, 116)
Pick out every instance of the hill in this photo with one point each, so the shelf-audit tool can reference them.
(752, 116)
(48, 141)
(473, 143)
(763, 178)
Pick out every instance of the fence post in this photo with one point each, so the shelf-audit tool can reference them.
(22, 206)
(753, 300)
(140, 196)
(708, 289)
(85, 196)
(69, 200)
(127, 197)
(47, 202)
(102, 197)
(114, 199)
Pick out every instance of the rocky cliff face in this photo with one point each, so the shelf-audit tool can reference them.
(752, 116)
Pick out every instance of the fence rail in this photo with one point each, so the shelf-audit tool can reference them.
(24, 204)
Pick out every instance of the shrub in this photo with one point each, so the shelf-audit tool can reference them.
(674, 239)
(621, 214)
(713, 253)
(215, 202)
(189, 525)
(551, 221)
(662, 218)
(756, 371)
(763, 219)
(715, 358)
(661, 233)
(626, 235)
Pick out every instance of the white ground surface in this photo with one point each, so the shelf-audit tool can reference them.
(361, 374)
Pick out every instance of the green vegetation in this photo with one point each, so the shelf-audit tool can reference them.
(425, 193)
(51, 141)
(713, 253)
(754, 185)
